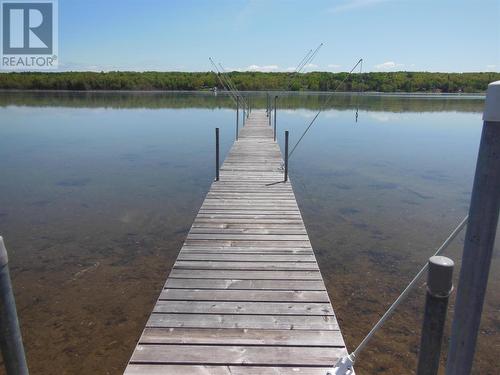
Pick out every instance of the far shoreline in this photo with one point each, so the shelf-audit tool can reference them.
(311, 82)
(469, 95)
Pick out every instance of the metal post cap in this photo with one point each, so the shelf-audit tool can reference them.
(4, 259)
(439, 279)
(492, 104)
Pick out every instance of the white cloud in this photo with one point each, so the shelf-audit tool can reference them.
(265, 67)
(290, 69)
(310, 66)
(491, 67)
(347, 5)
(255, 68)
(334, 67)
(388, 65)
(72, 66)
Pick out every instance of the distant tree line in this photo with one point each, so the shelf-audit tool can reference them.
(314, 81)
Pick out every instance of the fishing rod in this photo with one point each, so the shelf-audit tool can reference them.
(324, 106)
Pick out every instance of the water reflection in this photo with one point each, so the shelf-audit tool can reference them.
(340, 101)
(98, 191)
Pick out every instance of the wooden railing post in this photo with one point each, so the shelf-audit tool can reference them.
(479, 241)
(11, 341)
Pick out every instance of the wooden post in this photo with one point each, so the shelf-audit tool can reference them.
(275, 100)
(11, 341)
(439, 287)
(216, 154)
(479, 241)
(237, 115)
(286, 155)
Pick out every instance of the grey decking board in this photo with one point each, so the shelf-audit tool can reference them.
(246, 308)
(240, 336)
(204, 283)
(237, 355)
(134, 369)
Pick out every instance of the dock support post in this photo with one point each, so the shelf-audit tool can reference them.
(216, 154)
(244, 115)
(270, 114)
(439, 287)
(275, 100)
(11, 341)
(286, 155)
(267, 104)
(237, 115)
(479, 241)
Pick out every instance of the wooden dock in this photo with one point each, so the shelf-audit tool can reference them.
(245, 295)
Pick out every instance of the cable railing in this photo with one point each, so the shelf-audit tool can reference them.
(344, 366)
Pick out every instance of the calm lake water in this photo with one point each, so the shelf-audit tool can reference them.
(98, 191)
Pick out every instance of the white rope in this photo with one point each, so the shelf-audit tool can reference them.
(323, 107)
(341, 368)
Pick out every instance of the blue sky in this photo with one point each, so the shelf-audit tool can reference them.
(273, 35)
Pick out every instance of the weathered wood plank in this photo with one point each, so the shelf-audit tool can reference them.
(247, 274)
(244, 295)
(228, 257)
(248, 243)
(248, 237)
(239, 336)
(242, 321)
(247, 308)
(146, 369)
(274, 284)
(256, 266)
(238, 250)
(243, 355)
